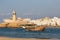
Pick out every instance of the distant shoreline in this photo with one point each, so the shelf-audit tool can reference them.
(52, 27)
(20, 27)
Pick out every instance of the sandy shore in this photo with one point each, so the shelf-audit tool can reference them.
(7, 38)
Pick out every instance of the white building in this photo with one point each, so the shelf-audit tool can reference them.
(47, 21)
(27, 19)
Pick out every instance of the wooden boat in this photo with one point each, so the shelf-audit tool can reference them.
(36, 28)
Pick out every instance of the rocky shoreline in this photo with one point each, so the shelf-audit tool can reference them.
(16, 25)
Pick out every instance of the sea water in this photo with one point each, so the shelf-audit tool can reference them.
(22, 33)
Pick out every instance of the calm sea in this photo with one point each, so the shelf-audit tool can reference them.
(21, 33)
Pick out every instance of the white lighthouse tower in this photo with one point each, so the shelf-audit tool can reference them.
(14, 16)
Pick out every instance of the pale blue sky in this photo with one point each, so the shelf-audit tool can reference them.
(30, 8)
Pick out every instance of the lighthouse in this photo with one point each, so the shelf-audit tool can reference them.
(12, 19)
(14, 15)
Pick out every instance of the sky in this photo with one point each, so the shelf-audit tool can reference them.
(33, 9)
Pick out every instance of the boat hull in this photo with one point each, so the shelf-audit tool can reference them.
(38, 28)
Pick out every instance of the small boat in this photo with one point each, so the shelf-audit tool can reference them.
(35, 28)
